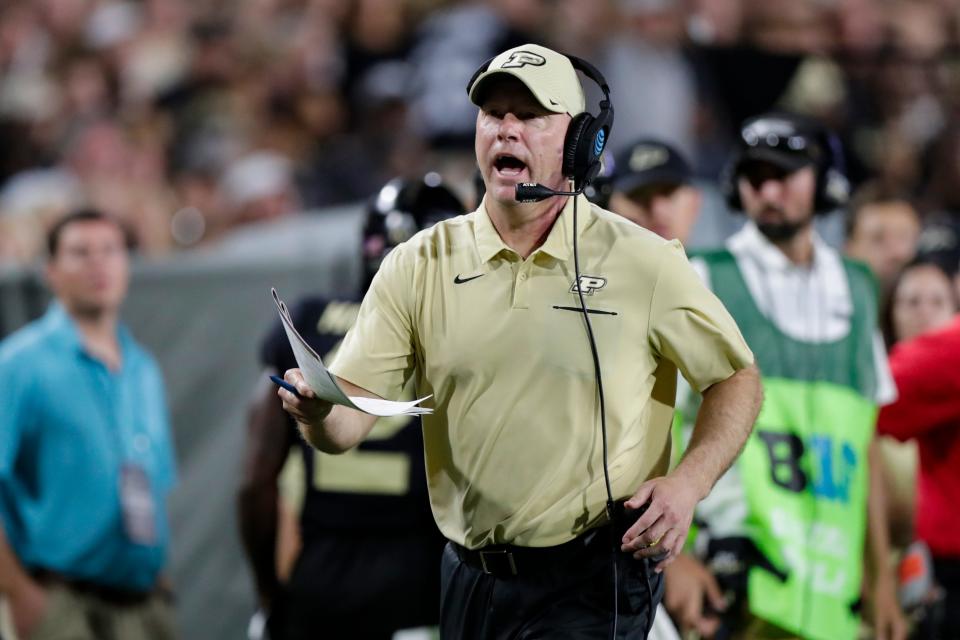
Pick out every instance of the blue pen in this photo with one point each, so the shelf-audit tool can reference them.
(286, 385)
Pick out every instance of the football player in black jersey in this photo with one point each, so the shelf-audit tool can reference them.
(368, 558)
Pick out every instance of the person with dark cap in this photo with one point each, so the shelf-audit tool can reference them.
(652, 186)
(786, 533)
(347, 579)
(551, 387)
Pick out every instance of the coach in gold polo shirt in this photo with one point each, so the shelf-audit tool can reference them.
(483, 313)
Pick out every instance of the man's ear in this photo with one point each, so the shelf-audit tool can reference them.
(697, 196)
(50, 275)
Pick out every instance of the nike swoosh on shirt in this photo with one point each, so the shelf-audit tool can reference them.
(459, 280)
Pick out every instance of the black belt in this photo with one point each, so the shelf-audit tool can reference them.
(507, 560)
(111, 595)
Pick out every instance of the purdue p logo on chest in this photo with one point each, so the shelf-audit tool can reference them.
(588, 284)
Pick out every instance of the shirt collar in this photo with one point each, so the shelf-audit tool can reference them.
(64, 326)
(559, 242)
(750, 240)
(489, 243)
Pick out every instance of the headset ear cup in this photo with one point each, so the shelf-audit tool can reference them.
(833, 187)
(592, 142)
(476, 74)
(728, 184)
(833, 191)
(573, 146)
(821, 201)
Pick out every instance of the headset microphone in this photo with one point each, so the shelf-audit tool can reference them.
(535, 192)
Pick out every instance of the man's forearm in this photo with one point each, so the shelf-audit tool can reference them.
(724, 422)
(258, 528)
(341, 430)
(331, 429)
(878, 525)
(12, 574)
(269, 441)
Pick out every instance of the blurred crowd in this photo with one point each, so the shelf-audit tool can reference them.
(186, 119)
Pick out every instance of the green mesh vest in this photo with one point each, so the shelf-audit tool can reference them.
(804, 468)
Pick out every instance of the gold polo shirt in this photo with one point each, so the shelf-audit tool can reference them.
(513, 448)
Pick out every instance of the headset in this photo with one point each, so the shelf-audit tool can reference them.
(587, 135)
(797, 135)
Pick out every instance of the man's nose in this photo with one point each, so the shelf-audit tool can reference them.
(901, 249)
(660, 208)
(771, 188)
(509, 127)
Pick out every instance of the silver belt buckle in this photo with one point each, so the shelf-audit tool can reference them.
(495, 554)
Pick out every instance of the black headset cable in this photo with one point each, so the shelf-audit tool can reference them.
(603, 425)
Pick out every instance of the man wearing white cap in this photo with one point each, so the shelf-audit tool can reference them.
(549, 335)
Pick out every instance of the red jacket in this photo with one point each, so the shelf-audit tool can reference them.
(927, 372)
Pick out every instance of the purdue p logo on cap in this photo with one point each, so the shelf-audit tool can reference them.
(518, 59)
(548, 75)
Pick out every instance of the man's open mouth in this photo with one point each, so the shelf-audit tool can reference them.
(508, 165)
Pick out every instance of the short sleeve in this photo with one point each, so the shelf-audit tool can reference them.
(690, 326)
(378, 353)
(15, 413)
(928, 385)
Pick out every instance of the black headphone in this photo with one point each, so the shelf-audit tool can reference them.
(797, 135)
(587, 135)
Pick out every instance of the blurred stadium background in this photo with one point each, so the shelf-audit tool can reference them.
(238, 139)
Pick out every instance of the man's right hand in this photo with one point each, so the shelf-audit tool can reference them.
(325, 427)
(308, 409)
(689, 584)
(28, 602)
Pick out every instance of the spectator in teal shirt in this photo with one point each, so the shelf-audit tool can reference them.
(86, 459)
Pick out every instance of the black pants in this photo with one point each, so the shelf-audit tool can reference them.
(947, 573)
(360, 586)
(567, 599)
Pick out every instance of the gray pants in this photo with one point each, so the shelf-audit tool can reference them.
(73, 615)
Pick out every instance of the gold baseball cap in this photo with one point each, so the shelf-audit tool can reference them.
(548, 75)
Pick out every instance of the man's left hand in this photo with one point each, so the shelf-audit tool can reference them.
(662, 529)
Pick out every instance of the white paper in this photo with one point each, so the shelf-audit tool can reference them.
(324, 384)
